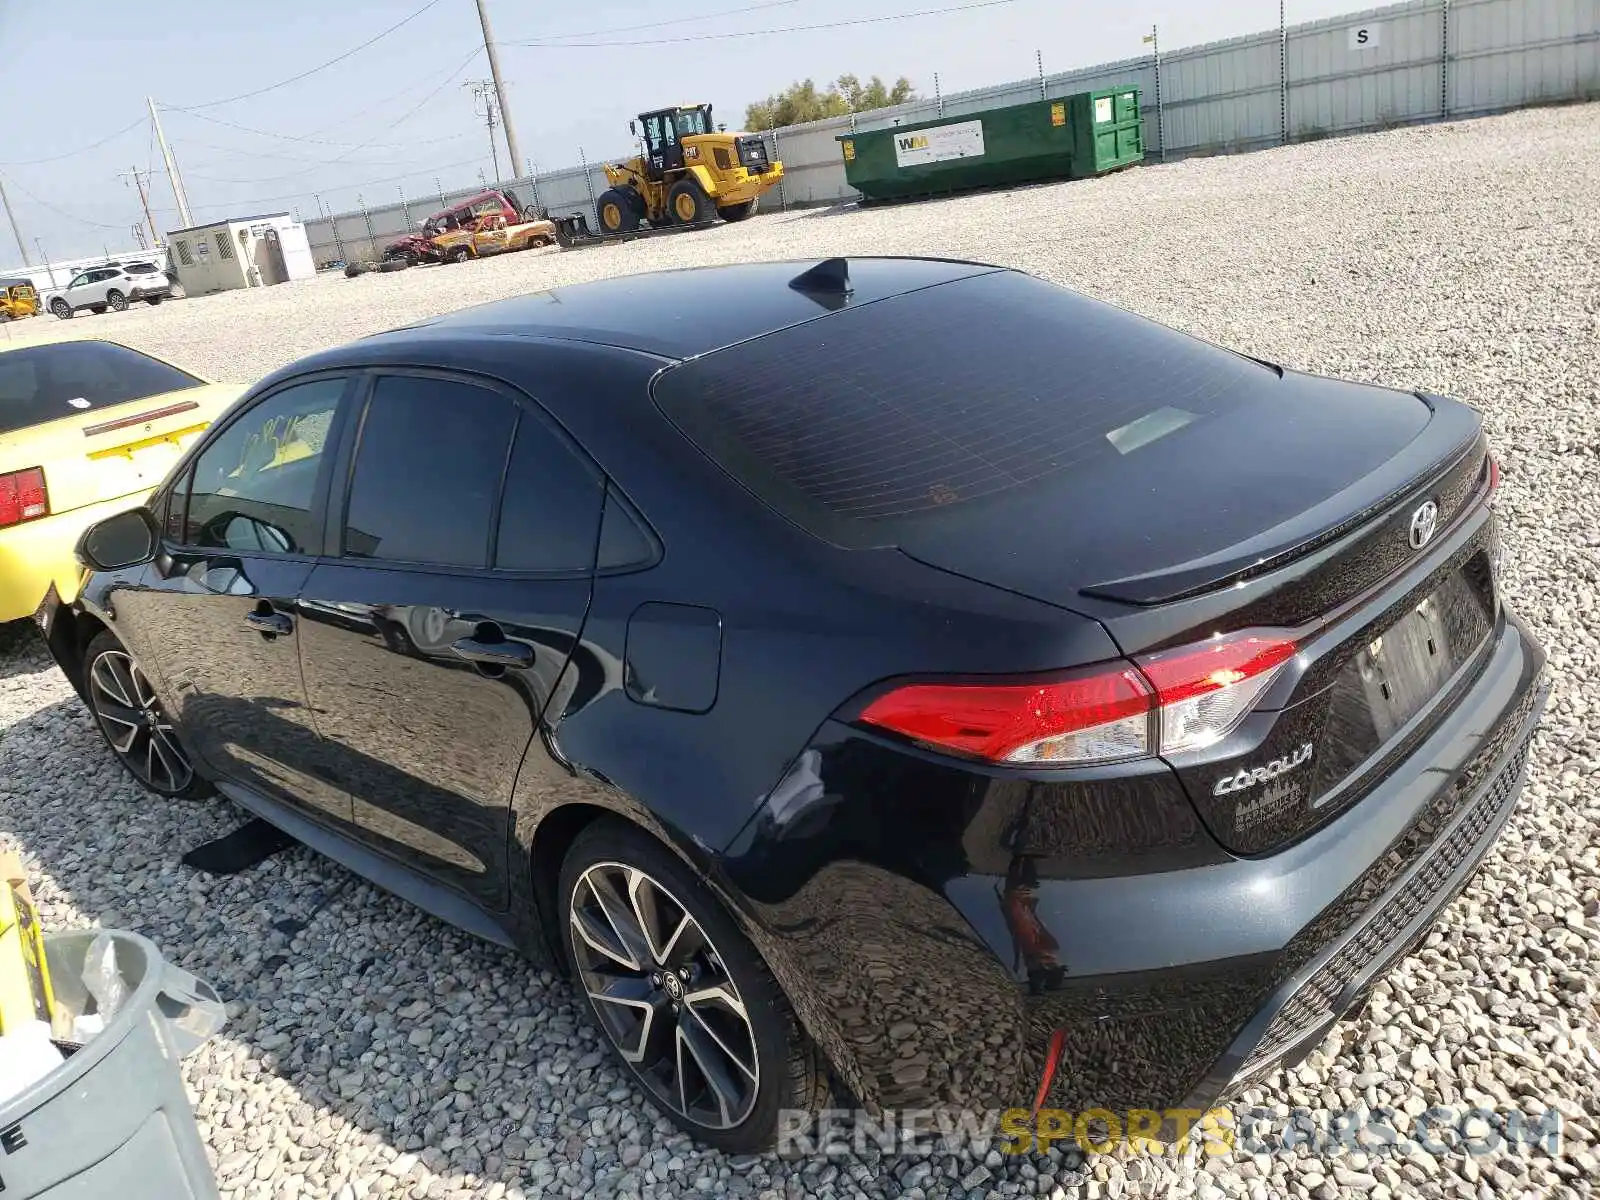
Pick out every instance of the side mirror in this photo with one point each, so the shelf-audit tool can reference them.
(124, 540)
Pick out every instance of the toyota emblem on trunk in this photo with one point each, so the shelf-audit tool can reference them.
(1423, 524)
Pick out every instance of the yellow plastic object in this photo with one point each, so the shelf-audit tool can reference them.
(25, 993)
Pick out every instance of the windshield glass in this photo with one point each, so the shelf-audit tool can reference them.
(46, 383)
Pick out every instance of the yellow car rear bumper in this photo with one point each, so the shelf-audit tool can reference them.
(36, 554)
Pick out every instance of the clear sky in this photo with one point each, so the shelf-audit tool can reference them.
(396, 114)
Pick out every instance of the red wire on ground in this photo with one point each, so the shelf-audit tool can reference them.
(1058, 1043)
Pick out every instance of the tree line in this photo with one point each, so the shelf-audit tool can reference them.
(802, 101)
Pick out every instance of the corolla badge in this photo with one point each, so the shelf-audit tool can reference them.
(1250, 776)
(1424, 523)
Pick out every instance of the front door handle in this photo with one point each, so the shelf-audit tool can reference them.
(269, 624)
(494, 654)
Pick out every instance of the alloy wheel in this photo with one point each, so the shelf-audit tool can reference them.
(663, 996)
(135, 724)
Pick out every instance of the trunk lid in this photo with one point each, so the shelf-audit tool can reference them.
(118, 450)
(1293, 464)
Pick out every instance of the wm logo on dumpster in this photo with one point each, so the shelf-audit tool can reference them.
(914, 141)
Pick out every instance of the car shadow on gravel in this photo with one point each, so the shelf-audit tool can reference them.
(22, 651)
(368, 1028)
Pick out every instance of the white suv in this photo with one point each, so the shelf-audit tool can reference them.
(114, 286)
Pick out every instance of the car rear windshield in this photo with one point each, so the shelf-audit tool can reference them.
(977, 389)
(45, 383)
(140, 268)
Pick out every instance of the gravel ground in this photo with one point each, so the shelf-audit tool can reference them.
(376, 1052)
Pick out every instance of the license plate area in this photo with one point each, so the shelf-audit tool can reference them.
(1404, 667)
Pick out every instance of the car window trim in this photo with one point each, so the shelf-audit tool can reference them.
(319, 493)
(526, 406)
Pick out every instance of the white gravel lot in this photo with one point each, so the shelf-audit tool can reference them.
(379, 1053)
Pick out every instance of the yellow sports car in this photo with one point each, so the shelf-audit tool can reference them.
(87, 428)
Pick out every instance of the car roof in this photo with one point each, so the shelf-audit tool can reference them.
(685, 313)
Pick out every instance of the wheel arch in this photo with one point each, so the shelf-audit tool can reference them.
(551, 836)
(702, 175)
(68, 639)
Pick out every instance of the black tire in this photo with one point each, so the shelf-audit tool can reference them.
(152, 301)
(98, 310)
(617, 210)
(786, 1070)
(458, 254)
(62, 309)
(138, 733)
(390, 265)
(738, 212)
(4, 317)
(687, 204)
(117, 300)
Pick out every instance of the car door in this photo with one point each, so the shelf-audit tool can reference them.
(77, 292)
(219, 615)
(431, 645)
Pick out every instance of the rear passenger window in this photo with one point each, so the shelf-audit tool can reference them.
(550, 519)
(427, 472)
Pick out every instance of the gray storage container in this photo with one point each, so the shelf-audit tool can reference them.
(113, 1119)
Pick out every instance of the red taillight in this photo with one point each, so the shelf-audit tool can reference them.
(1196, 696)
(1035, 722)
(23, 497)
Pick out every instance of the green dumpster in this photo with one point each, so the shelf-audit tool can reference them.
(1073, 137)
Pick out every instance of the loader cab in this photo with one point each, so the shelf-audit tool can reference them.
(663, 132)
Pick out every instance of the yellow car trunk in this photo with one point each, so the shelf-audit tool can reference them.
(115, 451)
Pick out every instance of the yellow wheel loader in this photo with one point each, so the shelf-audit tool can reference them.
(690, 173)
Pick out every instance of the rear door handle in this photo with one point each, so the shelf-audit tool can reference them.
(272, 624)
(494, 654)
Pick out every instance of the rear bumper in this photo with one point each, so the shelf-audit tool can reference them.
(36, 554)
(160, 290)
(933, 978)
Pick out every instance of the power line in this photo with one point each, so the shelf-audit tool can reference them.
(60, 212)
(362, 184)
(283, 137)
(272, 87)
(395, 162)
(33, 162)
(727, 12)
(418, 107)
(414, 86)
(300, 158)
(750, 33)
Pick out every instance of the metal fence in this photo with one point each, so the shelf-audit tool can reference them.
(1423, 60)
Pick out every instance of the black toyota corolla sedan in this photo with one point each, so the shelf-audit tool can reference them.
(899, 672)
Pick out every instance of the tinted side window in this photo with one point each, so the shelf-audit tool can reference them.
(254, 487)
(550, 517)
(428, 472)
(172, 520)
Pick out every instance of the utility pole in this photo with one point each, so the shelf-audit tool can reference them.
(173, 177)
(499, 87)
(139, 177)
(1153, 40)
(45, 259)
(483, 92)
(15, 231)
